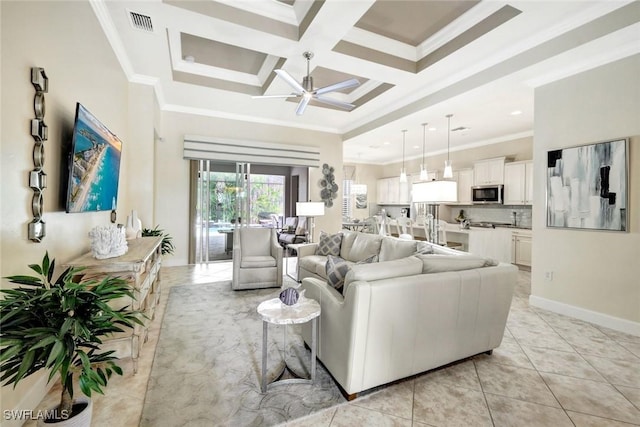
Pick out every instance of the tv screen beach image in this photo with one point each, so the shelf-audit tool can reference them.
(93, 178)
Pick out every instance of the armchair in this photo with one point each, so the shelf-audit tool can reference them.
(257, 259)
(296, 233)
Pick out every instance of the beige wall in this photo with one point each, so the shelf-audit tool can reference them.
(172, 171)
(66, 39)
(592, 271)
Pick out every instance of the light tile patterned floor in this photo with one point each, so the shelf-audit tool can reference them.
(551, 370)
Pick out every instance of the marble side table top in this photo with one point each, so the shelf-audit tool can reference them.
(274, 311)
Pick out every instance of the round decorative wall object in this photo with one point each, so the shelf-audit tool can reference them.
(328, 184)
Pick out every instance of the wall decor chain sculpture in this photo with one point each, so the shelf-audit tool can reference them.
(37, 177)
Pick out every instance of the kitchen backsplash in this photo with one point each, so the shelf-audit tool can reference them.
(494, 214)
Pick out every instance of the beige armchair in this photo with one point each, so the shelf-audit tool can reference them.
(257, 259)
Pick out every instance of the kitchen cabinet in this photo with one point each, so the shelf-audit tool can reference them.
(390, 191)
(464, 178)
(518, 183)
(489, 171)
(521, 247)
(491, 242)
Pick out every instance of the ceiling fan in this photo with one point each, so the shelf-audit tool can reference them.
(306, 92)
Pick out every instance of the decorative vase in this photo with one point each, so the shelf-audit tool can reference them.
(134, 226)
(81, 419)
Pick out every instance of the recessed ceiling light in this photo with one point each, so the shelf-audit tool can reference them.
(516, 112)
(386, 143)
(416, 146)
(432, 129)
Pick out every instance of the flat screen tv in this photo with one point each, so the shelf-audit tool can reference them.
(94, 167)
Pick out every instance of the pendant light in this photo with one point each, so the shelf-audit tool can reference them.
(448, 171)
(403, 172)
(423, 167)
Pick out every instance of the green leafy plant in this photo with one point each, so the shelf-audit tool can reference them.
(167, 240)
(59, 325)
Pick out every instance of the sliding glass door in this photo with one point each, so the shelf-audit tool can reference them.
(225, 196)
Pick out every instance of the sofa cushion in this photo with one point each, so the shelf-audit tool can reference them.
(314, 264)
(395, 248)
(359, 246)
(257, 262)
(337, 269)
(437, 263)
(329, 244)
(383, 270)
(255, 241)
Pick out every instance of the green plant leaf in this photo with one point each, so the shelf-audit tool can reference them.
(36, 268)
(27, 363)
(55, 354)
(45, 342)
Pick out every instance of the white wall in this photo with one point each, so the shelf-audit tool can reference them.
(172, 171)
(595, 274)
(65, 38)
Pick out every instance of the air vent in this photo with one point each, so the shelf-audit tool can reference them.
(460, 128)
(141, 22)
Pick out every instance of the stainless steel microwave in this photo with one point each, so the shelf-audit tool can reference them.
(487, 194)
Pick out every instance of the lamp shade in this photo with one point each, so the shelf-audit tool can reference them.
(309, 208)
(435, 192)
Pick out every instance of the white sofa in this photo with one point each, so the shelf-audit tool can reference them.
(355, 247)
(396, 319)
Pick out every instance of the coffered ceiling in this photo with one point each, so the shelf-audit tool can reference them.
(416, 61)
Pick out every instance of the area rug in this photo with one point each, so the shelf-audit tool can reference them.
(207, 366)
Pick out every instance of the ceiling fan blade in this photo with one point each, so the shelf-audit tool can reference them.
(289, 79)
(302, 105)
(335, 103)
(291, 95)
(338, 86)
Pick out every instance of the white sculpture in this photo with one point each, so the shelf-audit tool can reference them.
(108, 242)
(134, 226)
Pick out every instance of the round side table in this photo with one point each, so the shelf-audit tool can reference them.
(275, 312)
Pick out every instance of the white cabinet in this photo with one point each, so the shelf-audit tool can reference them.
(491, 243)
(390, 191)
(521, 248)
(464, 178)
(518, 183)
(488, 172)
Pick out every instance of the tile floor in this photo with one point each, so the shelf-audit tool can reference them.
(551, 370)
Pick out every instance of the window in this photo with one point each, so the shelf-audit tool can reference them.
(346, 198)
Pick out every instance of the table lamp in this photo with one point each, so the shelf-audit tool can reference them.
(433, 193)
(310, 210)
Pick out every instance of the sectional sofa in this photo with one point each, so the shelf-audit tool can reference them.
(404, 315)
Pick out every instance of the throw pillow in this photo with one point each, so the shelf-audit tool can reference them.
(329, 244)
(337, 269)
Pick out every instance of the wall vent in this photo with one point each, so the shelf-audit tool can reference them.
(141, 22)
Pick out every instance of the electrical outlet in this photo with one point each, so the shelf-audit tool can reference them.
(548, 276)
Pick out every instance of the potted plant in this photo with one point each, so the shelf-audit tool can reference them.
(167, 240)
(59, 325)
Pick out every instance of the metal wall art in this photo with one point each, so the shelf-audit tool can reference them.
(328, 184)
(37, 178)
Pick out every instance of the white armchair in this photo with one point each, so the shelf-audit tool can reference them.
(257, 259)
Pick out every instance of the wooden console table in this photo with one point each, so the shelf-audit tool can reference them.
(140, 266)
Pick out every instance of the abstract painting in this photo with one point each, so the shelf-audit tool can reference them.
(587, 186)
